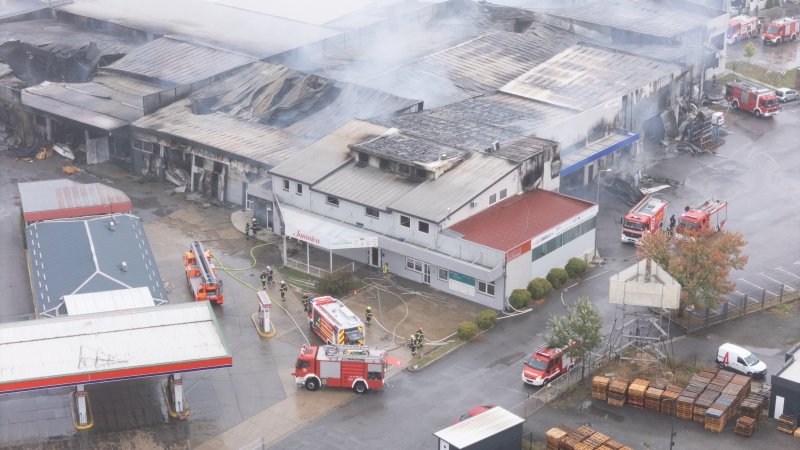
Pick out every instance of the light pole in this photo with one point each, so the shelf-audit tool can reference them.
(597, 198)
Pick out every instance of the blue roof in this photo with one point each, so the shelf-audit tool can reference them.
(83, 256)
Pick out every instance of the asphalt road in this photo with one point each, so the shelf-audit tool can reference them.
(755, 171)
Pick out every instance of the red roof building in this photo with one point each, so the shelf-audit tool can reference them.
(61, 199)
(537, 230)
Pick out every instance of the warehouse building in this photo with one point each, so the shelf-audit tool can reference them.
(64, 199)
(785, 392)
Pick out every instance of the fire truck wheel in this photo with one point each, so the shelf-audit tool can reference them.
(312, 384)
(360, 387)
(757, 113)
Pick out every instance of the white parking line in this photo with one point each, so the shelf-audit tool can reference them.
(785, 286)
(787, 272)
(756, 286)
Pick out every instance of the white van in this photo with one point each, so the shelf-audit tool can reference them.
(738, 359)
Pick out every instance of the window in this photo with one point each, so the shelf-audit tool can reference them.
(423, 227)
(299, 189)
(405, 169)
(285, 185)
(405, 221)
(493, 199)
(486, 288)
(143, 146)
(372, 212)
(563, 239)
(503, 193)
(443, 274)
(414, 265)
(331, 200)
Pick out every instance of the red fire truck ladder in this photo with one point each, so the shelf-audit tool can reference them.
(206, 272)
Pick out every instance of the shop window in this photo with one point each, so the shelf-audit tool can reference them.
(372, 212)
(423, 227)
(486, 288)
(405, 221)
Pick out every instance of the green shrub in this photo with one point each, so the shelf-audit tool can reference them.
(557, 277)
(336, 284)
(519, 298)
(539, 288)
(576, 267)
(467, 330)
(486, 319)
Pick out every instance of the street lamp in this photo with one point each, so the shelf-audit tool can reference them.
(597, 199)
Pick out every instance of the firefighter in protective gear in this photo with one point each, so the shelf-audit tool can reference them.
(385, 269)
(418, 336)
(413, 345)
(270, 281)
(263, 279)
(305, 301)
(284, 289)
(369, 315)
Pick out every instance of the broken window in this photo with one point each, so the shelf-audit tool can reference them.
(423, 227)
(372, 212)
(331, 200)
(405, 221)
(405, 169)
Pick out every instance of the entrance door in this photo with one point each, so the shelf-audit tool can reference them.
(426, 273)
(374, 257)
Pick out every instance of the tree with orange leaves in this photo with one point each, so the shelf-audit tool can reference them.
(701, 264)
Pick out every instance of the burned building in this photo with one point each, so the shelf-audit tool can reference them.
(221, 141)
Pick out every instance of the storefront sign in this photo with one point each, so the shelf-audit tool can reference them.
(461, 283)
(357, 242)
(518, 251)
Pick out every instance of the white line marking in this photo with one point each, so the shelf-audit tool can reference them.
(787, 272)
(791, 289)
(755, 285)
(740, 293)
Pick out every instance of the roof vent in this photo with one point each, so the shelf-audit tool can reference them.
(443, 156)
(124, 266)
(111, 225)
(495, 146)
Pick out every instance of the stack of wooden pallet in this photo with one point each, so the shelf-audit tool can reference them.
(554, 438)
(612, 445)
(600, 388)
(596, 440)
(745, 426)
(617, 392)
(787, 424)
(685, 405)
(797, 433)
(704, 400)
(715, 418)
(669, 399)
(753, 405)
(636, 392)
(652, 398)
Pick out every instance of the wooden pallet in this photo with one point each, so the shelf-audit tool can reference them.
(652, 398)
(684, 407)
(554, 437)
(669, 400)
(636, 392)
(702, 403)
(617, 392)
(745, 426)
(787, 424)
(715, 419)
(600, 388)
(596, 440)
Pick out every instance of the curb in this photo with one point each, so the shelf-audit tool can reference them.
(410, 367)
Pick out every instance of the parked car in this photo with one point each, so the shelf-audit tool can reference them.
(786, 94)
(738, 359)
(473, 412)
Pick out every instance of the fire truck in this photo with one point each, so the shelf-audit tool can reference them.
(202, 274)
(350, 366)
(545, 365)
(781, 30)
(646, 217)
(741, 27)
(334, 323)
(760, 101)
(707, 214)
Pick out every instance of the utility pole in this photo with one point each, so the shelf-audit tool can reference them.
(672, 435)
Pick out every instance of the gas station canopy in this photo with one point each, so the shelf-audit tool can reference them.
(109, 346)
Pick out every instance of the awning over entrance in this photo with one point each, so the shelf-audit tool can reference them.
(596, 150)
(325, 233)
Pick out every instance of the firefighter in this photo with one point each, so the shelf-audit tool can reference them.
(254, 226)
(247, 230)
(264, 278)
(284, 289)
(369, 315)
(413, 344)
(270, 280)
(385, 269)
(305, 301)
(419, 336)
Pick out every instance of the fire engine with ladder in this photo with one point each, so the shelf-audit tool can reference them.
(646, 217)
(760, 101)
(202, 274)
(707, 214)
(350, 366)
(334, 323)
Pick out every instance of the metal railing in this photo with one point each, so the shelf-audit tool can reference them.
(317, 271)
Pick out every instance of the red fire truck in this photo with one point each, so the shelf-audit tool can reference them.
(741, 27)
(781, 30)
(545, 365)
(334, 323)
(754, 99)
(646, 217)
(707, 214)
(350, 366)
(202, 274)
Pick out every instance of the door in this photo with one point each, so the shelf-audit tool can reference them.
(426, 273)
(778, 406)
(374, 257)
